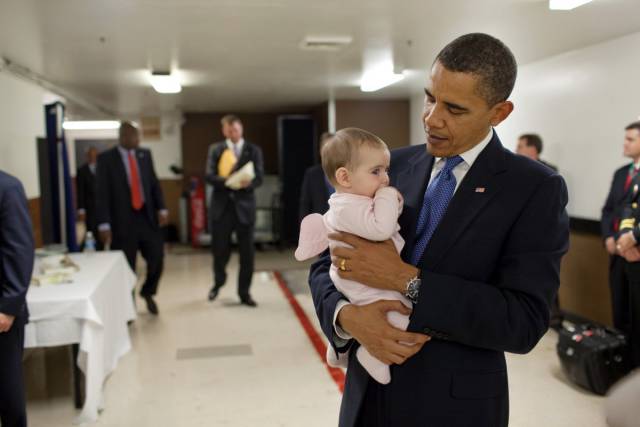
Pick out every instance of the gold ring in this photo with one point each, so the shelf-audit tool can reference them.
(343, 264)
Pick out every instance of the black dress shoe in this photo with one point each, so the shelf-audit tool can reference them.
(213, 293)
(151, 304)
(248, 301)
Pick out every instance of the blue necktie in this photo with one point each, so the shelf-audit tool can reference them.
(436, 200)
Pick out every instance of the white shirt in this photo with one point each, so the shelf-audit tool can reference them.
(235, 147)
(460, 171)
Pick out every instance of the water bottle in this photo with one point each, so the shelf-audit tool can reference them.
(89, 242)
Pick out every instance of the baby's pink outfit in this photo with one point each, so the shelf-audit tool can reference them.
(374, 219)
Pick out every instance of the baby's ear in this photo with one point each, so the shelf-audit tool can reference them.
(343, 178)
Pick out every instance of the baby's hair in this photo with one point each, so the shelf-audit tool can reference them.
(342, 150)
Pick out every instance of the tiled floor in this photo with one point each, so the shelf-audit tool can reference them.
(221, 364)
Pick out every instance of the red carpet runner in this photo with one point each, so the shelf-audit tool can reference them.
(336, 373)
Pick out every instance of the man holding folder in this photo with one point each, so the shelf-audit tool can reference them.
(234, 169)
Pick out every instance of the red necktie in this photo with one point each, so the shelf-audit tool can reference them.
(632, 173)
(136, 191)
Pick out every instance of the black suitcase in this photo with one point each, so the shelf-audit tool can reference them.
(593, 356)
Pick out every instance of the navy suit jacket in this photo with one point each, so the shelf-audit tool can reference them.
(616, 200)
(314, 194)
(243, 200)
(16, 248)
(488, 276)
(113, 193)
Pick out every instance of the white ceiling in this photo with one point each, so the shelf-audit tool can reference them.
(243, 55)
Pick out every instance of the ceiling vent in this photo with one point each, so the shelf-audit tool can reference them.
(325, 43)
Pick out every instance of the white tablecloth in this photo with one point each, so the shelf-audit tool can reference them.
(92, 311)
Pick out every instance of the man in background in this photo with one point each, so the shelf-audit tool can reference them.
(16, 253)
(530, 145)
(233, 210)
(130, 207)
(316, 188)
(610, 226)
(86, 192)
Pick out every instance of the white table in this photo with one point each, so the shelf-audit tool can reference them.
(93, 312)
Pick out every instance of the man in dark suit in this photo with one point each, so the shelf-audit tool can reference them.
(316, 188)
(16, 253)
(130, 207)
(530, 145)
(484, 233)
(233, 210)
(86, 192)
(627, 246)
(610, 225)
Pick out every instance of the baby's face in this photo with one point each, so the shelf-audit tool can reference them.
(372, 172)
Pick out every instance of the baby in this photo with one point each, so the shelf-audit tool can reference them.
(356, 163)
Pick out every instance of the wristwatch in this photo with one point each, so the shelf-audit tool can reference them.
(413, 289)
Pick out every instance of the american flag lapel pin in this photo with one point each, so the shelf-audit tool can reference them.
(480, 189)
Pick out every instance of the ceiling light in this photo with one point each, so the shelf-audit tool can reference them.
(165, 82)
(327, 43)
(91, 125)
(566, 4)
(376, 79)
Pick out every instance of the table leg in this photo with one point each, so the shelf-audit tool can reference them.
(78, 393)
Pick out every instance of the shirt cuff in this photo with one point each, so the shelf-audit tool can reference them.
(81, 211)
(104, 227)
(164, 212)
(342, 337)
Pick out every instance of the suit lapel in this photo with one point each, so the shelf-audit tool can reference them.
(242, 160)
(411, 183)
(120, 169)
(481, 183)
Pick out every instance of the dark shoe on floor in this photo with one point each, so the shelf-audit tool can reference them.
(213, 293)
(151, 304)
(248, 301)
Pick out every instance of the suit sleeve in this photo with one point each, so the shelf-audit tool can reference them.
(103, 191)
(211, 175)
(305, 197)
(325, 298)
(511, 312)
(606, 222)
(16, 250)
(80, 190)
(156, 189)
(258, 165)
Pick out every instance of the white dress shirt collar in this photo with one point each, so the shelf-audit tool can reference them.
(469, 157)
(239, 145)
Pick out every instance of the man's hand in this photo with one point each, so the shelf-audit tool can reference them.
(105, 237)
(163, 218)
(376, 264)
(368, 325)
(610, 244)
(6, 321)
(82, 216)
(626, 242)
(631, 255)
(245, 183)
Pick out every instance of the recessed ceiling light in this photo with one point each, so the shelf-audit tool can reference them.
(566, 4)
(164, 82)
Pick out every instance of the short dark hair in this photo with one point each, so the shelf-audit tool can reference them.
(126, 125)
(486, 57)
(634, 125)
(533, 140)
(230, 119)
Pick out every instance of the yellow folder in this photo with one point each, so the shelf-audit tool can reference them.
(226, 163)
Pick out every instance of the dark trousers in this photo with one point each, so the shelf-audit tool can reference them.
(221, 230)
(619, 287)
(12, 397)
(146, 238)
(372, 411)
(633, 272)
